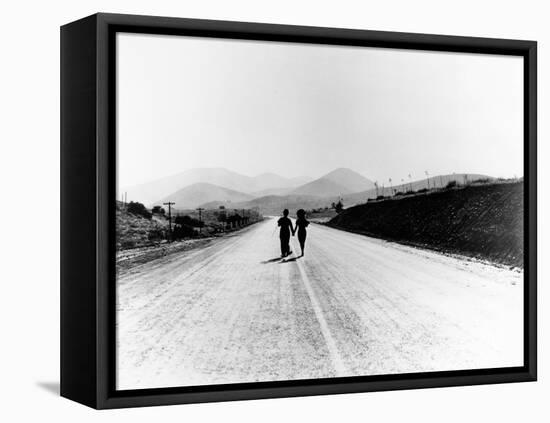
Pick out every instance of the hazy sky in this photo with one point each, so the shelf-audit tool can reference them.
(299, 109)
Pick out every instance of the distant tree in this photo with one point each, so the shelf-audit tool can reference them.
(158, 210)
(234, 220)
(189, 221)
(138, 209)
(222, 218)
(451, 184)
(183, 231)
(339, 206)
(238, 219)
(156, 234)
(482, 180)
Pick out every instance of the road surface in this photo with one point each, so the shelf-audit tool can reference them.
(233, 312)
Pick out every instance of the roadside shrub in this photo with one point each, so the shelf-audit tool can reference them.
(482, 181)
(138, 209)
(127, 244)
(183, 231)
(451, 184)
(339, 206)
(189, 221)
(420, 191)
(156, 234)
(158, 210)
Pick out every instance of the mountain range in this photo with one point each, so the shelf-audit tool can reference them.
(153, 192)
(338, 182)
(196, 195)
(269, 192)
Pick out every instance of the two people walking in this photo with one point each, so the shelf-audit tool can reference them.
(287, 228)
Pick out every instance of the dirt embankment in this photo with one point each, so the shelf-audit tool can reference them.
(143, 239)
(484, 221)
(138, 231)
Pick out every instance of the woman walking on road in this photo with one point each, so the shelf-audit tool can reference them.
(301, 225)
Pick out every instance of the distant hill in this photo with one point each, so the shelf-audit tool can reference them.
(338, 182)
(271, 191)
(479, 220)
(438, 181)
(350, 179)
(299, 180)
(195, 195)
(321, 188)
(275, 204)
(271, 181)
(152, 191)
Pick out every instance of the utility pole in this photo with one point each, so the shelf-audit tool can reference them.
(428, 176)
(169, 204)
(410, 183)
(391, 188)
(200, 209)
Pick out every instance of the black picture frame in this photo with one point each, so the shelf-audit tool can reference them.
(87, 231)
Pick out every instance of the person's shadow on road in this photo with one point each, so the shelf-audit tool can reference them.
(273, 260)
(289, 260)
(280, 260)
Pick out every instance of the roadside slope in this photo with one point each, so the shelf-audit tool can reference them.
(483, 221)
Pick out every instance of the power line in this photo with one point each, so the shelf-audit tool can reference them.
(169, 204)
(200, 209)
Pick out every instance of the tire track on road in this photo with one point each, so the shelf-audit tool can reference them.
(335, 357)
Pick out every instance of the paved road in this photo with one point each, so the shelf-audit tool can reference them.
(234, 312)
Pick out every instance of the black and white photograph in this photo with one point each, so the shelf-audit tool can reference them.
(277, 211)
(292, 211)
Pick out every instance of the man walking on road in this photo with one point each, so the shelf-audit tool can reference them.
(284, 234)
